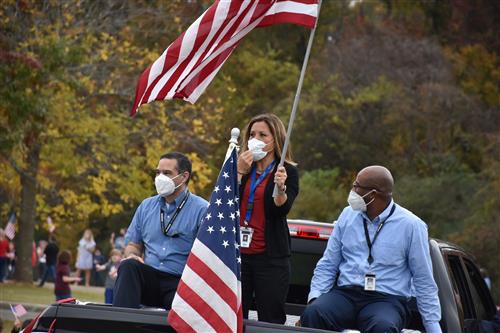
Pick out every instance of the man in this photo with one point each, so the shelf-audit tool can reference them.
(377, 250)
(163, 230)
(51, 251)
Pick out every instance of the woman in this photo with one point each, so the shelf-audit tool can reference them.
(84, 262)
(265, 239)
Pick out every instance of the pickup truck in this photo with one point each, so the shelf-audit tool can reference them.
(465, 298)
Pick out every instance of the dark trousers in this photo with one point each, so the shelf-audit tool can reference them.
(267, 279)
(49, 270)
(139, 284)
(353, 308)
(4, 262)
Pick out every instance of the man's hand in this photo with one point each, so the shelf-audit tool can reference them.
(134, 257)
(17, 324)
(133, 251)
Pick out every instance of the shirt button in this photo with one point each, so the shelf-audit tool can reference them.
(161, 263)
(163, 249)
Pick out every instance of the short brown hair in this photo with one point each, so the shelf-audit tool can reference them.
(278, 132)
(64, 257)
(115, 252)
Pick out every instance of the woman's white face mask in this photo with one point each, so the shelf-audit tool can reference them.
(357, 202)
(165, 185)
(257, 148)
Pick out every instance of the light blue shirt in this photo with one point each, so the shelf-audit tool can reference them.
(165, 253)
(401, 255)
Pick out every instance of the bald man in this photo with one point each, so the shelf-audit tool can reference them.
(375, 253)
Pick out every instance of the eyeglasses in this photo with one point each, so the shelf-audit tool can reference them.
(355, 185)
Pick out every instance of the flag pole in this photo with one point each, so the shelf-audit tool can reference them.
(233, 143)
(297, 96)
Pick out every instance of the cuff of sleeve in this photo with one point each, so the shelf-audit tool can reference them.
(313, 294)
(432, 327)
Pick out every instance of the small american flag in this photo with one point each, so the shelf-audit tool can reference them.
(190, 63)
(208, 297)
(10, 228)
(18, 310)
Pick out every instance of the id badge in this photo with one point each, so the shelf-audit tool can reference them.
(370, 282)
(246, 236)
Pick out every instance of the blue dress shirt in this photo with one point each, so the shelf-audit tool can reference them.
(166, 253)
(401, 255)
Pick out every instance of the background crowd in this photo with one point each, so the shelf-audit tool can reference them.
(93, 266)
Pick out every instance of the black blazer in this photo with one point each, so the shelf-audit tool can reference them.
(277, 235)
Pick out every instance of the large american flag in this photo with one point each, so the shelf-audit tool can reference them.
(10, 228)
(189, 64)
(208, 297)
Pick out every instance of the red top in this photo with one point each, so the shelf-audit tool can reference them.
(61, 287)
(258, 219)
(4, 248)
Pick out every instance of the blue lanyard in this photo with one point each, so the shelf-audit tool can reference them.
(253, 185)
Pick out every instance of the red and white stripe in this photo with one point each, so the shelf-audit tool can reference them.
(189, 64)
(300, 12)
(10, 230)
(208, 297)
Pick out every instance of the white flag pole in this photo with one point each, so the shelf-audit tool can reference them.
(233, 143)
(297, 96)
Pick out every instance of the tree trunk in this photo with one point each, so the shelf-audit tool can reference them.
(25, 236)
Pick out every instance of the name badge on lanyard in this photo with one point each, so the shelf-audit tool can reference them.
(369, 282)
(246, 232)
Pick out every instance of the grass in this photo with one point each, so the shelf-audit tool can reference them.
(7, 326)
(19, 293)
(29, 293)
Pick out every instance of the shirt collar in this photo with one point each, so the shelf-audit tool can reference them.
(382, 215)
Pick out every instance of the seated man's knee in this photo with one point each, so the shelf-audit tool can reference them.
(310, 314)
(128, 266)
(383, 326)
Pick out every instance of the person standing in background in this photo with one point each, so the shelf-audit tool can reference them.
(84, 261)
(62, 288)
(111, 268)
(98, 259)
(4, 259)
(12, 259)
(265, 238)
(119, 241)
(50, 252)
(41, 257)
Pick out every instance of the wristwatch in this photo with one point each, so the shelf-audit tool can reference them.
(282, 191)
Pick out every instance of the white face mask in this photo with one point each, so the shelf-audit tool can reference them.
(357, 202)
(256, 147)
(165, 185)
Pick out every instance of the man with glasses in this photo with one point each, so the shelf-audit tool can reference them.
(376, 252)
(160, 237)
